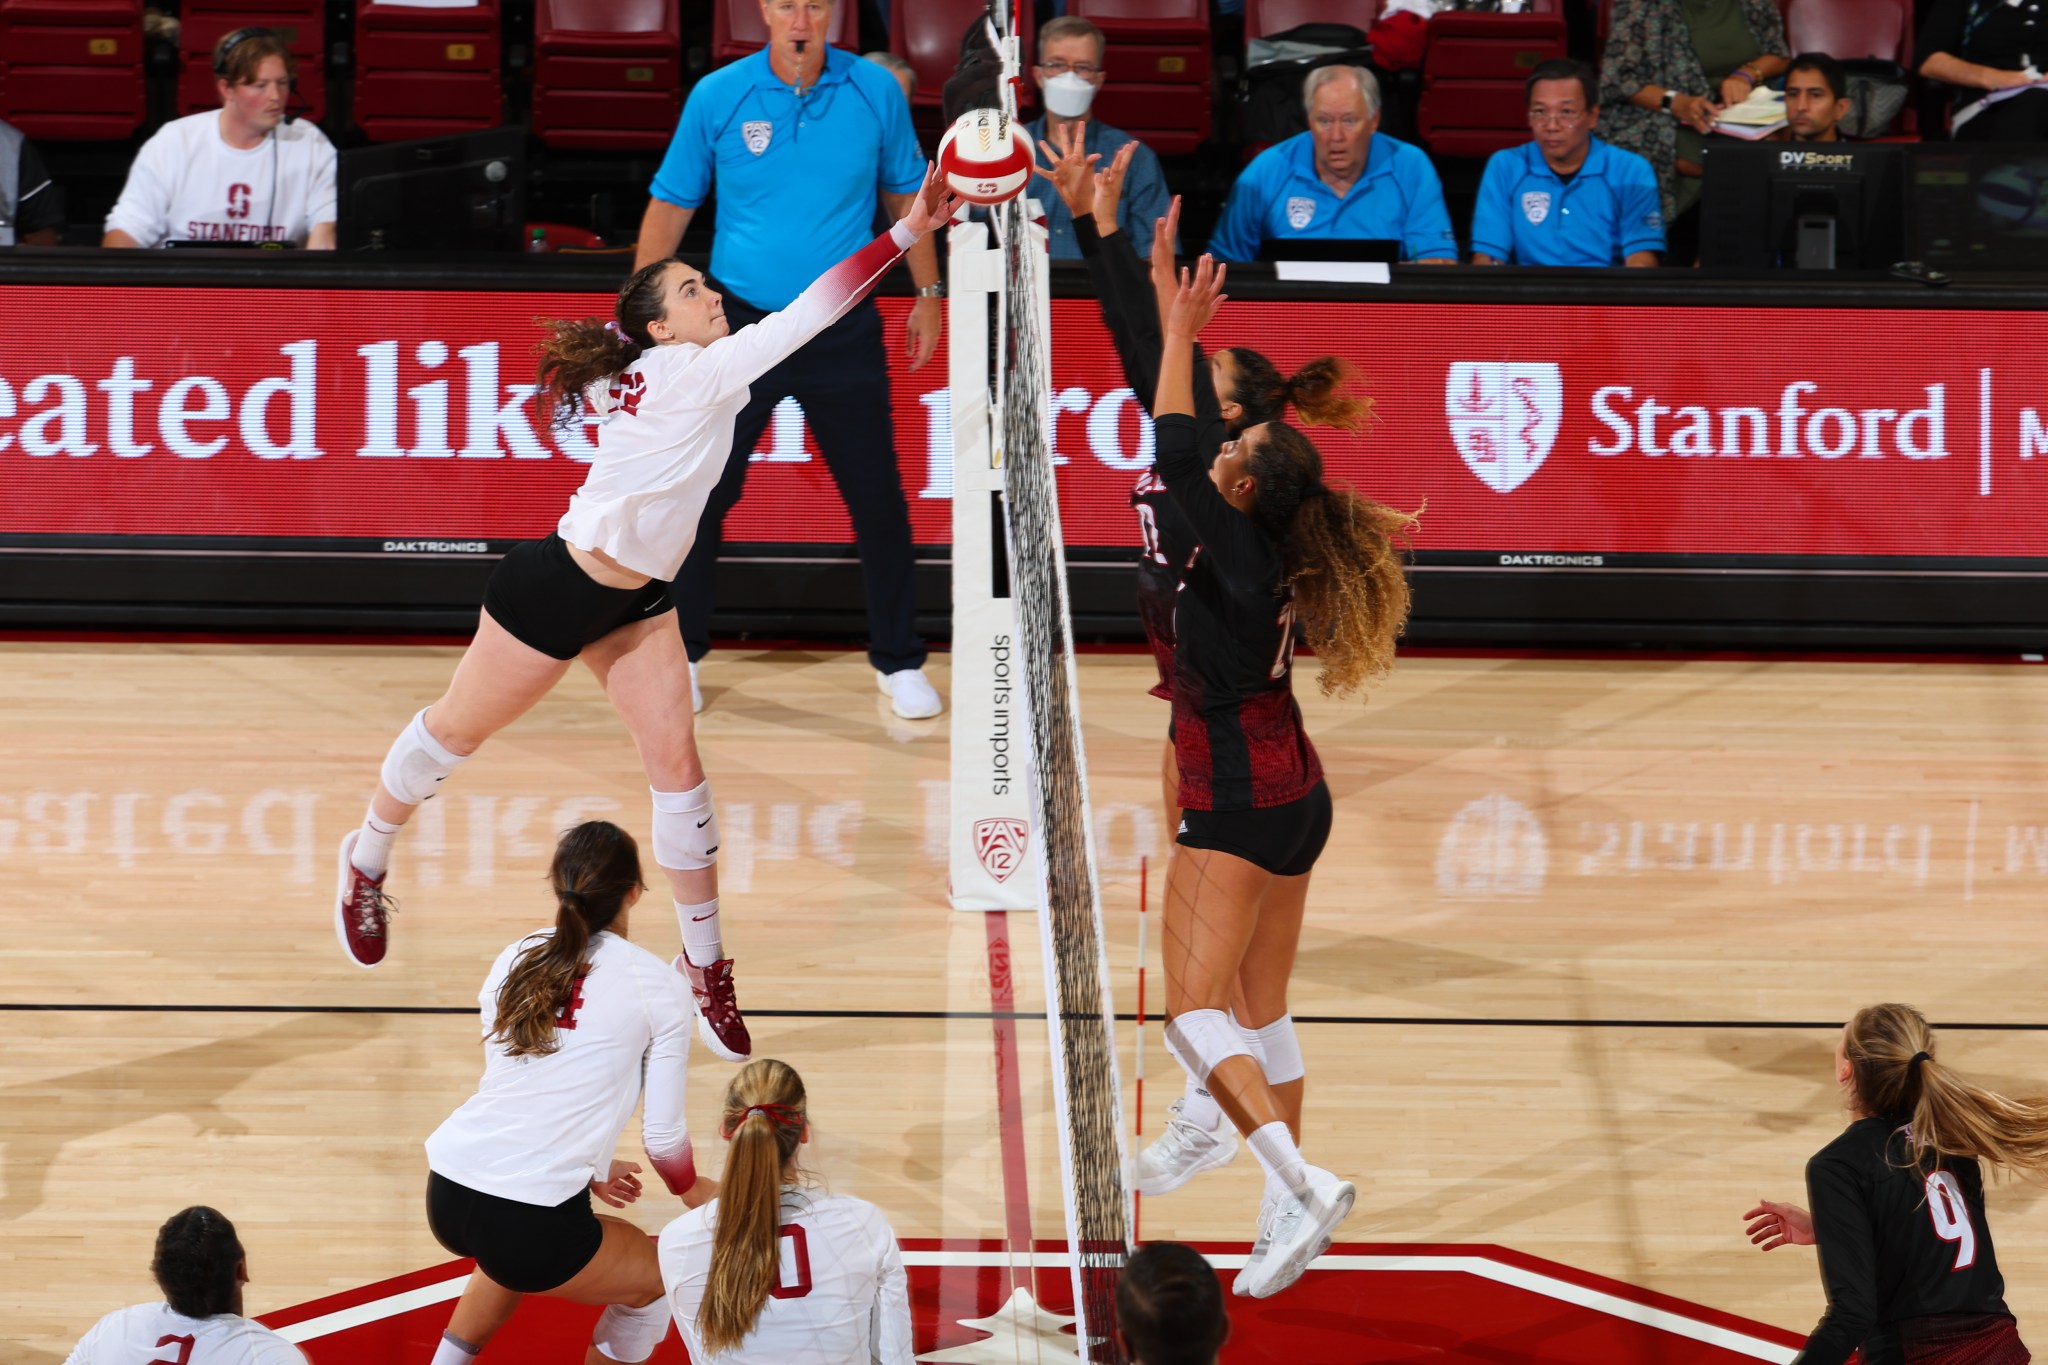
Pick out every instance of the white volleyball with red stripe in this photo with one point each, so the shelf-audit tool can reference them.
(985, 157)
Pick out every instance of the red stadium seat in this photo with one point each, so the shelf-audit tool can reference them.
(607, 73)
(737, 30)
(71, 70)
(301, 23)
(926, 33)
(1848, 29)
(1158, 61)
(427, 72)
(1474, 69)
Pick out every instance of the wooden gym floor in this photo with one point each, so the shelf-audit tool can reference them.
(1574, 957)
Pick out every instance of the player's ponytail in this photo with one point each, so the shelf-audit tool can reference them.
(596, 868)
(1343, 559)
(764, 1120)
(1890, 1050)
(580, 351)
(196, 1262)
(1318, 391)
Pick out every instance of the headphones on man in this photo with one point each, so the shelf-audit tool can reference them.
(231, 42)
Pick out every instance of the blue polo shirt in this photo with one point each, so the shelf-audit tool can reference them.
(1528, 215)
(1145, 198)
(797, 178)
(1280, 195)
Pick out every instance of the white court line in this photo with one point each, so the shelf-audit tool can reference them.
(1663, 1319)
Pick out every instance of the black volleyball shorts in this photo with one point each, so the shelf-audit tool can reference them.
(541, 596)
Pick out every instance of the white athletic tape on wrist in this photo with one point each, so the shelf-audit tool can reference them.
(1280, 1051)
(685, 828)
(630, 1334)
(417, 763)
(1204, 1040)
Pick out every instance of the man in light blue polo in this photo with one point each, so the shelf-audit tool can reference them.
(1566, 197)
(1071, 52)
(800, 140)
(1342, 179)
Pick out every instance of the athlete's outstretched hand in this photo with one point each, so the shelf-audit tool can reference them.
(1165, 279)
(1774, 1225)
(1072, 172)
(621, 1187)
(1199, 296)
(935, 203)
(1109, 188)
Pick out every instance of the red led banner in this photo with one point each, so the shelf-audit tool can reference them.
(1526, 429)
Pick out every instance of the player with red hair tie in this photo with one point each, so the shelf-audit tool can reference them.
(578, 1021)
(1898, 1204)
(667, 379)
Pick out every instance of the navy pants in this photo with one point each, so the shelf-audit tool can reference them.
(841, 377)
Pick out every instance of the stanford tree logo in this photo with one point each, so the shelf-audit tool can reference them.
(1503, 417)
(1000, 845)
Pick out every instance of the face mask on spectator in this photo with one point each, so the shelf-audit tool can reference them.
(1068, 96)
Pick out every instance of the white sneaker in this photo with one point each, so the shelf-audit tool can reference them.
(1241, 1284)
(1181, 1153)
(696, 692)
(911, 695)
(1300, 1229)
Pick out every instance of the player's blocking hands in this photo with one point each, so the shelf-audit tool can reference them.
(1199, 296)
(621, 1187)
(1071, 172)
(1774, 1225)
(935, 204)
(1109, 187)
(1165, 280)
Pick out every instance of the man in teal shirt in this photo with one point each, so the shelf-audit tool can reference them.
(1070, 73)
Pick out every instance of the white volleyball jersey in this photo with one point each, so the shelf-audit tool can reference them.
(841, 1299)
(668, 418)
(187, 184)
(539, 1129)
(153, 1332)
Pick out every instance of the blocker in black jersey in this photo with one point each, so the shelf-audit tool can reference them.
(1906, 1256)
(1237, 731)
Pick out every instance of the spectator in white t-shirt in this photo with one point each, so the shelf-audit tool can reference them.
(201, 1267)
(239, 174)
(775, 1271)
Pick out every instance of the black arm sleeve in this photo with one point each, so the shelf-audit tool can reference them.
(1241, 552)
(1847, 1243)
(1123, 283)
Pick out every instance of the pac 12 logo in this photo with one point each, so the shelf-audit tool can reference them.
(1000, 844)
(1503, 417)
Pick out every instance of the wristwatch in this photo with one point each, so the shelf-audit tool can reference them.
(935, 290)
(1669, 95)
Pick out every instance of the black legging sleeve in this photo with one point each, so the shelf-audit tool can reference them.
(1123, 284)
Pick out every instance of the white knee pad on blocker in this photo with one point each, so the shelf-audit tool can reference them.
(1203, 1040)
(685, 828)
(631, 1334)
(417, 763)
(1280, 1051)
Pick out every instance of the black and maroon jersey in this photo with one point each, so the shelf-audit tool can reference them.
(1169, 545)
(1906, 1257)
(1237, 732)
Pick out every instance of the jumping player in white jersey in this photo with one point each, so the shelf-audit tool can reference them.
(576, 1021)
(668, 381)
(201, 1267)
(773, 1271)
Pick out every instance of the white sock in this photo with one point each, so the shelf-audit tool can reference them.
(372, 854)
(1274, 1146)
(702, 943)
(454, 1352)
(1199, 1107)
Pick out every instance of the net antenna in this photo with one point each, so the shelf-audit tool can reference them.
(1087, 1092)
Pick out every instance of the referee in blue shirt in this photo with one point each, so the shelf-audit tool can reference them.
(1343, 178)
(1566, 197)
(799, 139)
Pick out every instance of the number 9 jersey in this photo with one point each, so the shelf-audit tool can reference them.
(1906, 1257)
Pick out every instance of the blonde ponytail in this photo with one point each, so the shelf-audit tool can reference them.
(764, 1120)
(1890, 1049)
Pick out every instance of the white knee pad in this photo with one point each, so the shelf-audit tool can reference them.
(685, 828)
(1251, 1040)
(1279, 1051)
(1202, 1040)
(418, 763)
(631, 1334)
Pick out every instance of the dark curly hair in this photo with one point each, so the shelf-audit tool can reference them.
(197, 1255)
(1317, 391)
(580, 351)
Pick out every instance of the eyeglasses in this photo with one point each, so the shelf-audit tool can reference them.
(1554, 118)
(1350, 123)
(1087, 71)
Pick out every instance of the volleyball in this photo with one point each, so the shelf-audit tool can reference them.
(985, 158)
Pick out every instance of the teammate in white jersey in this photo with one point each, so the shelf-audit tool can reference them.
(576, 1021)
(772, 1271)
(668, 382)
(201, 1267)
(236, 174)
